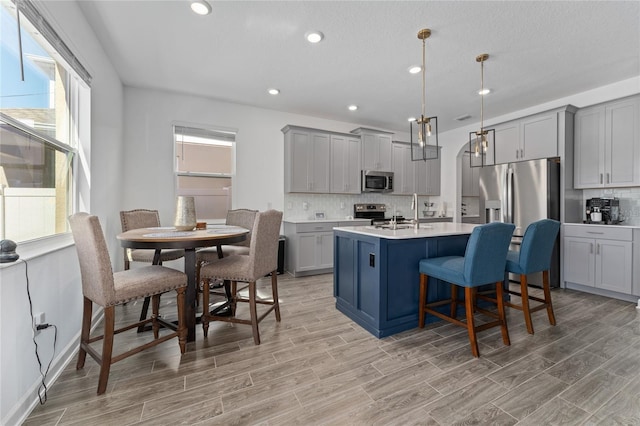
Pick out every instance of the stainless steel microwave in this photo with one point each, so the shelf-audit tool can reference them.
(376, 181)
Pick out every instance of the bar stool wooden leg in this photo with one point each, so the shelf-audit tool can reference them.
(501, 313)
(454, 301)
(524, 291)
(471, 329)
(423, 299)
(547, 297)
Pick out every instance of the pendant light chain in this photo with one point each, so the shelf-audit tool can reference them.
(424, 78)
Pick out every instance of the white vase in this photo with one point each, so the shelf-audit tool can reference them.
(185, 214)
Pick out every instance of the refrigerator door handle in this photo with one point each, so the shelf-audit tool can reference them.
(509, 195)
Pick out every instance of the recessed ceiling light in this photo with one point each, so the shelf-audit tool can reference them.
(353, 107)
(411, 119)
(274, 91)
(484, 91)
(314, 36)
(201, 7)
(415, 69)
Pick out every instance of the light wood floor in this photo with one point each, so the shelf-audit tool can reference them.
(318, 367)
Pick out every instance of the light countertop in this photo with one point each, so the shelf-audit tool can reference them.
(341, 220)
(437, 229)
(601, 225)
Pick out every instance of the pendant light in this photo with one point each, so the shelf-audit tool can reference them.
(479, 141)
(424, 130)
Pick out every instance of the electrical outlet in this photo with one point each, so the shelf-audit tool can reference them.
(38, 319)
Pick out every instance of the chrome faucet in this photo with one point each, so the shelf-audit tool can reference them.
(414, 207)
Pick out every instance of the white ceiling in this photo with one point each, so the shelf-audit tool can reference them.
(540, 51)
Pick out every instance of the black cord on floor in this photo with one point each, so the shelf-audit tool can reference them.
(42, 389)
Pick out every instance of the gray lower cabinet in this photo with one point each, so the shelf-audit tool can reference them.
(309, 247)
(601, 257)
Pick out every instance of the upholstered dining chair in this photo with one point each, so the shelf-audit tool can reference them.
(100, 285)
(143, 218)
(237, 217)
(483, 263)
(261, 260)
(534, 256)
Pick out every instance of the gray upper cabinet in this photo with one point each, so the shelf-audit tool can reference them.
(470, 178)
(607, 145)
(307, 160)
(529, 138)
(376, 149)
(345, 164)
(421, 177)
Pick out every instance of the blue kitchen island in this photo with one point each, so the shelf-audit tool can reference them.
(376, 277)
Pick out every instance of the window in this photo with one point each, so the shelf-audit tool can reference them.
(204, 169)
(40, 120)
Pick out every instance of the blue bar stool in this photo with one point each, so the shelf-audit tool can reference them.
(483, 263)
(534, 256)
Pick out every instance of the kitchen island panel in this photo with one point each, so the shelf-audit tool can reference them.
(376, 279)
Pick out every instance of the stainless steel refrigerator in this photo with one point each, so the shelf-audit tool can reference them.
(522, 193)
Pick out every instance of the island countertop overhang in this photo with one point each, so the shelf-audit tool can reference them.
(438, 229)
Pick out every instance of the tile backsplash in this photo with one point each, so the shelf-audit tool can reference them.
(629, 201)
(340, 206)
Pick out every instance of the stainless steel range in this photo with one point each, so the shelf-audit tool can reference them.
(375, 212)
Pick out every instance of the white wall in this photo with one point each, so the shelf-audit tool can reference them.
(259, 177)
(54, 277)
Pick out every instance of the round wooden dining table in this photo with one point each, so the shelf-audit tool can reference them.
(168, 238)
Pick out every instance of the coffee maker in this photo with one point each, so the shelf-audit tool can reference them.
(605, 211)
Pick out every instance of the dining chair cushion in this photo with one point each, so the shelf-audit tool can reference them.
(145, 281)
(535, 251)
(483, 262)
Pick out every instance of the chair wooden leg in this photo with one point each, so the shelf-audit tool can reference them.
(182, 323)
(547, 297)
(501, 314)
(422, 300)
(85, 332)
(254, 312)
(471, 329)
(107, 348)
(234, 291)
(274, 292)
(454, 301)
(155, 310)
(524, 291)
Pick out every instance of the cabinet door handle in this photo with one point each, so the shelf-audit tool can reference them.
(600, 177)
(522, 153)
(593, 232)
(597, 248)
(517, 153)
(590, 248)
(608, 178)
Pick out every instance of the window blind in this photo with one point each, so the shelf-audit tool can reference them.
(29, 11)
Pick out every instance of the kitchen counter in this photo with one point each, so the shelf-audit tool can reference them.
(342, 220)
(622, 225)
